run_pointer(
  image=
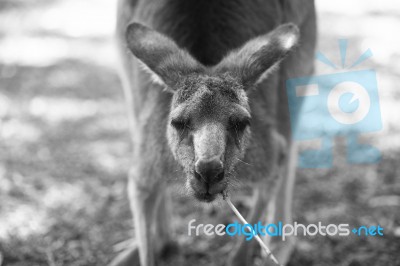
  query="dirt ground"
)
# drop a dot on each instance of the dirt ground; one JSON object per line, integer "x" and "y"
{"x": 64, "y": 144}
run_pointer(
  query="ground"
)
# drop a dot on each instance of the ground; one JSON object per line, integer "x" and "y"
{"x": 64, "y": 144}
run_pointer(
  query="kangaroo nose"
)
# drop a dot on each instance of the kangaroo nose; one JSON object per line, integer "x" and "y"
{"x": 210, "y": 171}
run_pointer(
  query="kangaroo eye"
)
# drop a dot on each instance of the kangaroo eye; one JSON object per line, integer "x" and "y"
{"x": 240, "y": 125}
{"x": 180, "y": 124}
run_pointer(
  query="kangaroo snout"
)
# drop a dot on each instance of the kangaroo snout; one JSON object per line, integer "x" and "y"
{"x": 210, "y": 171}
{"x": 208, "y": 176}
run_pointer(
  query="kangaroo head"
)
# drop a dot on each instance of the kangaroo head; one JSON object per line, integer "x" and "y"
{"x": 209, "y": 123}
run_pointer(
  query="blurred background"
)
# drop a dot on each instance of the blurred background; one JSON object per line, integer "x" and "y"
{"x": 64, "y": 143}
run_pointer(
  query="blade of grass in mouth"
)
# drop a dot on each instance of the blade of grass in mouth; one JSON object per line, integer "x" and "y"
{"x": 257, "y": 237}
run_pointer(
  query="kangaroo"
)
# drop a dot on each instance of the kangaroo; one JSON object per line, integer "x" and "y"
{"x": 204, "y": 83}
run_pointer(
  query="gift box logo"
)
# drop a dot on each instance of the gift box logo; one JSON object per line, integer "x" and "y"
{"x": 342, "y": 104}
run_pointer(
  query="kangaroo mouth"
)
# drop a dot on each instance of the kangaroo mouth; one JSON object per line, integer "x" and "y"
{"x": 206, "y": 192}
{"x": 205, "y": 197}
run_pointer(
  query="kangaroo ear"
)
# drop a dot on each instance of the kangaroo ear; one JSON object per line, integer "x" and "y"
{"x": 161, "y": 55}
{"x": 252, "y": 62}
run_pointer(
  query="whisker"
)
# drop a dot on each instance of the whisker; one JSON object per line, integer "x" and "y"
{"x": 244, "y": 162}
